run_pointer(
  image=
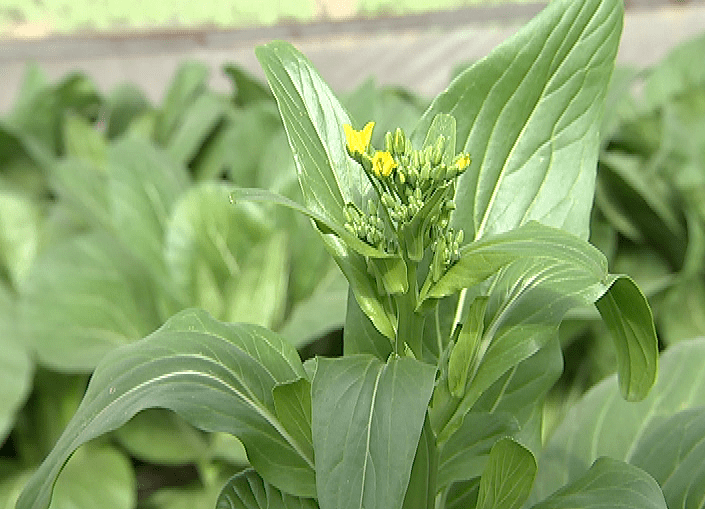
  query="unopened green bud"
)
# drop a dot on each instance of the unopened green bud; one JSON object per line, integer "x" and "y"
{"x": 425, "y": 173}
{"x": 387, "y": 200}
{"x": 427, "y": 154}
{"x": 439, "y": 173}
{"x": 408, "y": 147}
{"x": 372, "y": 207}
{"x": 414, "y": 176}
{"x": 399, "y": 141}
{"x": 438, "y": 150}
{"x": 400, "y": 174}
{"x": 389, "y": 142}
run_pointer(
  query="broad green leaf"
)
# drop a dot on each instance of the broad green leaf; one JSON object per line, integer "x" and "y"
{"x": 82, "y": 298}
{"x": 627, "y": 314}
{"x": 197, "y": 124}
{"x": 161, "y": 437}
{"x": 292, "y": 402}
{"x": 247, "y": 490}
{"x": 96, "y": 476}
{"x": 219, "y": 377}
{"x": 313, "y": 119}
{"x": 529, "y": 115}
{"x": 527, "y": 302}
{"x": 361, "y": 336}
{"x": 367, "y": 420}
{"x": 422, "y": 490}
{"x": 464, "y": 358}
{"x": 24, "y": 161}
{"x": 519, "y": 391}
{"x": 188, "y": 83}
{"x": 464, "y": 455}
{"x": 480, "y": 259}
{"x": 672, "y": 451}
{"x": 602, "y": 423}
{"x": 507, "y": 478}
{"x": 608, "y": 483}
{"x": 462, "y": 495}
{"x": 83, "y": 140}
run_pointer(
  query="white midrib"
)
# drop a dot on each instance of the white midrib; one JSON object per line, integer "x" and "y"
{"x": 369, "y": 433}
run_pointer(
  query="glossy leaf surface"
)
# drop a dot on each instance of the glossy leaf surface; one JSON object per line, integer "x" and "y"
{"x": 367, "y": 420}
{"x": 192, "y": 365}
{"x": 529, "y": 115}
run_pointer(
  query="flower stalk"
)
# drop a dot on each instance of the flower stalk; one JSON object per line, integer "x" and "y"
{"x": 408, "y": 218}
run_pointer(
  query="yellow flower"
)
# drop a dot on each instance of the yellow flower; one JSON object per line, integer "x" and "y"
{"x": 358, "y": 141}
{"x": 383, "y": 163}
{"x": 463, "y": 162}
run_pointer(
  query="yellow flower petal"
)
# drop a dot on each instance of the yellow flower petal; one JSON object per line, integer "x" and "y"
{"x": 383, "y": 163}
{"x": 358, "y": 141}
{"x": 463, "y": 161}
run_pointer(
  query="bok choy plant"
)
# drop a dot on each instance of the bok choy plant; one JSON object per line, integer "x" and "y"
{"x": 464, "y": 245}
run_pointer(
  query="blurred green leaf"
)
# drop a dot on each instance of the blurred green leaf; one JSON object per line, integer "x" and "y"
{"x": 188, "y": 83}
{"x": 16, "y": 364}
{"x": 82, "y": 140}
{"x": 198, "y": 122}
{"x": 608, "y": 483}
{"x": 124, "y": 104}
{"x": 602, "y": 423}
{"x": 20, "y": 223}
{"x": 96, "y": 476}
{"x": 248, "y": 89}
{"x": 82, "y": 298}
{"x": 162, "y": 437}
{"x": 322, "y": 312}
{"x": 671, "y": 449}
{"x": 682, "y": 313}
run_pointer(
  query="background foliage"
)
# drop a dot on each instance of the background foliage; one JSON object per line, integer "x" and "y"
{"x": 109, "y": 199}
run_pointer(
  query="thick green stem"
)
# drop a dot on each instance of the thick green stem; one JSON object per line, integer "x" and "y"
{"x": 410, "y": 324}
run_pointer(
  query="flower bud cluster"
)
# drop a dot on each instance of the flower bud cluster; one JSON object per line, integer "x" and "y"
{"x": 415, "y": 190}
{"x": 367, "y": 227}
